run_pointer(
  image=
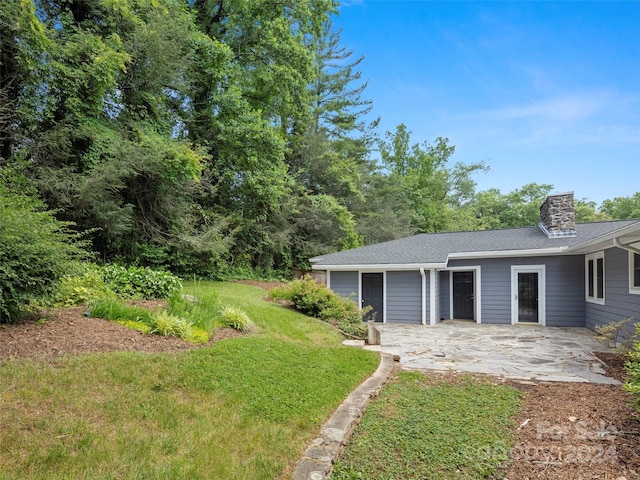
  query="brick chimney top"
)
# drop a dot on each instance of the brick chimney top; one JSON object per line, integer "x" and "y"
{"x": 557, "y": 216}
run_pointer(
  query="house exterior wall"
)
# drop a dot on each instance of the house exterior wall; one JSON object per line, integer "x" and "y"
{"x": 564, "y": 288}
{"x": 404, "y": 297}
{"x": 443, "y": 278}
{"x": 618, "y": 302}
{"x": 437, "y": 287}
{"x": 345, "y": 284}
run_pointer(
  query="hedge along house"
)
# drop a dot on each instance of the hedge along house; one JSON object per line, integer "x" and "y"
{"x": 558, "y": 273}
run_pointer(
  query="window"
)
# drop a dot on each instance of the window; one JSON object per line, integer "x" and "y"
{"x": 594, "y": 273}
{"x": 634, "y": 273}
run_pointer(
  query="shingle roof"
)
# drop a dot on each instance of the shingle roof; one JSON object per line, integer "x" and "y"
{"x": 435, "y": 248}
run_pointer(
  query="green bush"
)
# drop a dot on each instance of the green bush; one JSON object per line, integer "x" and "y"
{"x": 82, "y": 287}
{"x": 170, "y": 325}
{"x": 141, "y": 282}
{"x": 311, "y": 298}
{"x": 35, "y": 252}
{"x": 233, "y": 317}
{"x": 133, "y": 325}
{"x": 632, "y": 385}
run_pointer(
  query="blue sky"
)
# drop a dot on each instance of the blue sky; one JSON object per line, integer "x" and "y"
{"x": 545, "y": 92}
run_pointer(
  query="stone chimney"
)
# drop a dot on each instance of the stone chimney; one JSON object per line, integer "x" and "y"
{"x": 557, "y": 216}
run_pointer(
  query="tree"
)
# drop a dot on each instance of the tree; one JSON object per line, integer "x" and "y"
{"x": 622, "y": 208}
{"x": 426, "y": 179}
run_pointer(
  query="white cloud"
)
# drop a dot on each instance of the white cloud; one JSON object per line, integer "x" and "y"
{"x": 602, "y": 117}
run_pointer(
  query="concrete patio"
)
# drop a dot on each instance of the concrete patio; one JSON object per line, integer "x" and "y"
{"x": 528, "y": 352}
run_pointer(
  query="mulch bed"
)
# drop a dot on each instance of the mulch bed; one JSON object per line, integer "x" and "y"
{"x": 68, "y": 332}
{"x": 576, "y": 431}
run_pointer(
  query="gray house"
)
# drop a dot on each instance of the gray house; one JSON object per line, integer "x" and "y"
{"x": 558, "y": 273}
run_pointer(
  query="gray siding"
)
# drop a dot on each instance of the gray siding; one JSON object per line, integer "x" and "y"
{"x": 345, "y": 284}
{"x": 619, "y": 303}
{"x": 444, "y": 295}
{"x": 404, "y": 297}
{"x": 564, "y": 292}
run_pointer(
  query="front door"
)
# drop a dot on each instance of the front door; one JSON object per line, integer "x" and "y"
{"x": 527, "y": 288}
{"x": 372, "y": 288}
{"x": 463, "y": 295}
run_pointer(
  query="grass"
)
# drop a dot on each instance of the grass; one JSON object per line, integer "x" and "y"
{"x": 240, "y": 408}
{"x": 115, "y": 309}
{"x": 420, "y": 427}
{"x": 201, "y": 312}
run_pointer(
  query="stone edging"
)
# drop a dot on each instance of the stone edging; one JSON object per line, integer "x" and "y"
{"x": 317, "y": 461}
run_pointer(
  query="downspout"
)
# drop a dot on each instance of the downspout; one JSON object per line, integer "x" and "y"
{"x": 424, "y": 296}
{"x": 626, "y": 247}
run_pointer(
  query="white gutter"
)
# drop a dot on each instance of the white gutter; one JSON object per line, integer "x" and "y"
{"x": 424, "y": 296}
{"x": 624, "y": 246}
{"x": 509, "y": 253}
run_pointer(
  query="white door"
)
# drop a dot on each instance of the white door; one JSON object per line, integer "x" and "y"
{"x": 528, "y": 302}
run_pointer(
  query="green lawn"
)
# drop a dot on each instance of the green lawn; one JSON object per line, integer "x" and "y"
{"x": 424, "y": 428}
{"x": 242, "y": 408}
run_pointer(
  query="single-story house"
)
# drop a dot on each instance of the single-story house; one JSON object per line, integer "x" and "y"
{"x": 558, "y": 273}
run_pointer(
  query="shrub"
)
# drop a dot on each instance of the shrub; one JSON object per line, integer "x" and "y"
{"x": 311, "y": 298}
{"x": 198, "y": 335}
{"x": 618, "y": 334}
{"x": 35, "y": 252}
{"x": 233, "y": 317}
{"x": 632, "y": 385}
{"x": 82, "y": 288}
{"x": 133, "y": 325}
{"x": 170, "y": 325}
{"x": 141, "y": 282}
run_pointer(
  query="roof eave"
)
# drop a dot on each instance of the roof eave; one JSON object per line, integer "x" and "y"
{"x": 380, "y": 266}
{"x": 631, "y": 232}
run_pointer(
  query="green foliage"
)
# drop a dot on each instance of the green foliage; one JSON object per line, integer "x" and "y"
{"x": 519, "y": 208}
{"x": 135, "y": 325}
{"x": 117, "y": 310}
{"x": 211, "y": 138}
{"x": 200, "y": 310}
{"x": 632, "y": 385}
{"x": 616, "y": 334}
{"x": 622, "y": 208}
{"x": 422, "y": 427}
{"x": 311, "y": 298}
{"x": 236, "y": 318}
{"x": 197, "y": 335}
{"x": 422, "y": 171}
{"x": 84, "y": 287}
{"x": 35, "y": 252}
{"x": 170, "y": 325}
{"x": 321, "y": 226}
{"x": 160, "y": 322}
{"x": 141, "y": 282}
